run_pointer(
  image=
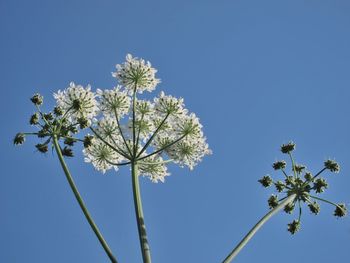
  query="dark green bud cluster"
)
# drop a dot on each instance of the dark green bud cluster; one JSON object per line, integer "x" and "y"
{"x": 88, "y": 141}
{"x": 303, "y": 185}
{"x": 19, "y": 139}
{"x": 34, "y": 119}
{"x": 340, "y": 210}
{"x": 332, "y": 165}
{"x": 288, "y": 208}
{"x": 266, "y": 181}
{"x": 273, "y": 201}
{"x": 288, "y": 148}
{"x": 279, "y": 165}
{"x": 320, "y": 185}
{"x": 42, "y": 147}
{"x": 314, "y": 208}
{"x": 66, "y": 151}
{"x": 294, "y": 227}
{"x": 37, "y": 99}
{"x": 54, "y": 124}
{"x": 58, "y": 111}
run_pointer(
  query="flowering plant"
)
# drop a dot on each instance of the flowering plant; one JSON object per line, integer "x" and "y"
{"x": 124, "y": 129}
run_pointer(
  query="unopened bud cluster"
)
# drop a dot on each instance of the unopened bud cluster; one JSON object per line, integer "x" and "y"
{"x": 303, "y": 184}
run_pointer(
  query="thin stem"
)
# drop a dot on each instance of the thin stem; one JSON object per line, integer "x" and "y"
{"x": 110, "y": 145}
{"x": 252, "y": 232}
{"x": 313, "y": 178}
{"x": 162, "y": 149}
{"x": 133, "y": 121}
{"x": 162, "y": 162}
{"x": 326, "y": 201}
{"x": 293, "y": 164}
{"x": 117, "y": 164}
{"x": 153, "y": 135}
{"x": 121, "y": 132}
{"x": 81, "y": 202}
{"x": 146, "y": 254}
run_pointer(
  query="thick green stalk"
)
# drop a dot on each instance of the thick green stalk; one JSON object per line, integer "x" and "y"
{"x": 81, "y": 202}
{"x": 146, "y": 254}
{"x": 252, "y": 232}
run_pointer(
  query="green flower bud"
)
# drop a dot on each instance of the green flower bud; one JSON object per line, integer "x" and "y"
{"x": 299, "y": 168}
{"x": 88, "y": 141}
{"x": 279, "y": 165}
{"x": 288, "y": 208}
{"x": 273, "y": 201}
{"x": 340, "y": 210}
{"x": 314, "y": 208}
{"x": 332, "y": 165}
{"x": 287, "y": 148}
{"x": 308, "y": 176}
{"x": 19, "y": 139}
{"x": 320, "y": 185}
{"x": 279, "y": 186}
{"x": 43, "y": 148}
{"x": 68, "y": 152}
{"x": 266, "y": 181}
{"x": 83, "y": 123}
{"x": 37, "y": 99}
{"x": 294, "y": 227}
{"x": 58, "y": 111}
{"x": 34, "y": 119}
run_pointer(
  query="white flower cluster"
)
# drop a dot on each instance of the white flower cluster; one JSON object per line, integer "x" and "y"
{"x": 162, "y": 131}
{"x": 78, "y": 102}
{"x": 136, "y": 73}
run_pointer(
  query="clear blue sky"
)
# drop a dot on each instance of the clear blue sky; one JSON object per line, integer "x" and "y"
{"x": 257, "y": 73}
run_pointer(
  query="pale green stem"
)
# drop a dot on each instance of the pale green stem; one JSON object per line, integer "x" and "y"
{"x": 153, "y": 135}
{"x": 81, "y": 202}
{"x": 110, "y": 145}
{"x": 293, "y": 164}
{"x": 145, "y": 249}
{"x": 121, "y": 132}
{"x": 252, "y": 232}
{"x": 162, "y": 149}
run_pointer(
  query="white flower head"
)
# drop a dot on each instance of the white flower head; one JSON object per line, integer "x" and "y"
{"x": 136, "y": 72}
{"x": 189, "y": 152}
{"x": 166, "y": 104}
{"x": 154, "y": 168}
{"x": 101, "y": 156}
{"x": 79, "y": 102}
{"x": 114, "y": 102}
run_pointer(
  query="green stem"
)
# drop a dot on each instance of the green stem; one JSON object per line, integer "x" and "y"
{"x": 146, "y": 254}
{"x": 81, "y": 202}
{"x": 252, "y": 232}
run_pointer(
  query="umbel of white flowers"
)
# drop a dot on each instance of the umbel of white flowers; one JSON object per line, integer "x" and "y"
{"x": 126, "y": 128}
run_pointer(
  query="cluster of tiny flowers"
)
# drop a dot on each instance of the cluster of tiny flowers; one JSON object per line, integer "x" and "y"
{"x": 303, "y": 184}
{"x": 80, "y": 102}
{"x": 129, "y": 126}
{"x": 137, "y": 74}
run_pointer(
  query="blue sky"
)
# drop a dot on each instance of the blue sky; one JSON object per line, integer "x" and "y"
{"x": 257, "y": 73}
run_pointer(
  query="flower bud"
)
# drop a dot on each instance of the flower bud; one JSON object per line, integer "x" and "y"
{"x": 43, "y": 148}
{"x": 314, "y": 208}
{"x": 287, "y": 148}
{"x": 340, "y": 210}
{"x": 279, "y": 165}
{"x": 273, "y": 201}
{"x": 37, "y": 99}
{"x": 332, "y": 165}
{"x": 294, "y": 227}
{"x": 19, "y": 139}
{"x": 34, "y": 119}
{"x": 266, "y": 181}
